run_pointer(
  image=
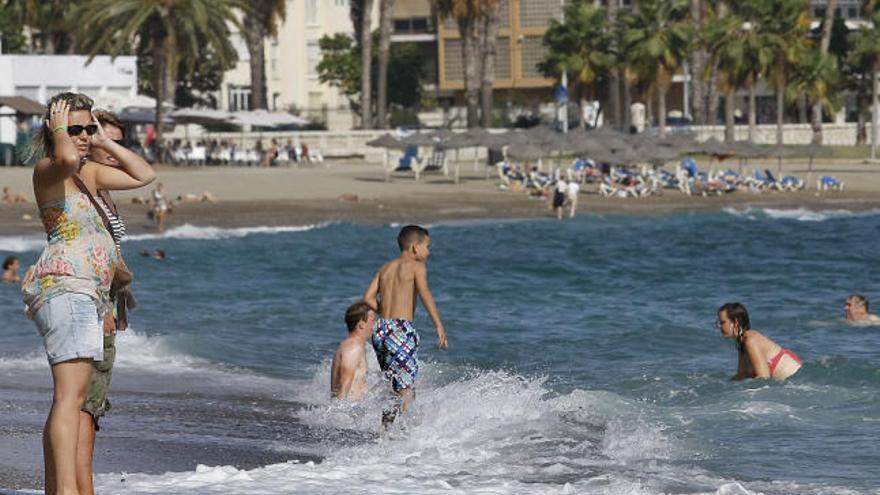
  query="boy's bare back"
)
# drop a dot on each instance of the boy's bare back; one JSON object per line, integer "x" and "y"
{"x": 397, "y": 288}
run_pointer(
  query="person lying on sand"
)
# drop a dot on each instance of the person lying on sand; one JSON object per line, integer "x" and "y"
{"x": 857, "y": 312}
{"x": 12, "y": 197}
{"x": 348, "y": 373}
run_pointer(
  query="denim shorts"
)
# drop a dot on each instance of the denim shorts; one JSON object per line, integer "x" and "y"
{"x": 71, "y": 327}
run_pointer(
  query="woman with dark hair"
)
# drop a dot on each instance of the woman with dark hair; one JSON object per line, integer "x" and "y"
{"x": 67, "y": 290}
{"x": 759, "y": 357}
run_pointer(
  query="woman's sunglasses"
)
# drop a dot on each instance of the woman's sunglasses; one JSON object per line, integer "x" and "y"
{"x": 76, "y": 130}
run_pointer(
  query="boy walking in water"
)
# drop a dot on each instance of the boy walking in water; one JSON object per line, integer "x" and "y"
{"x": 392, "y": 293}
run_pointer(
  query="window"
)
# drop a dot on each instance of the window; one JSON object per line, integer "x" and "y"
{"x": 312, "y": 12}
{"x": 239, "y": 98}
{"x": 342, "y": 3}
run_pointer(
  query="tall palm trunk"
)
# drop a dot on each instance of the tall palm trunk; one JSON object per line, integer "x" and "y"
{"x": 386, "y": 8}
{"x": 468, "y": 29}
{"x": 861, "y": 122}
{"x": 489, "y": 47}
{"x": 164, "y": 77}
{"x": 614, "y": 78}
{"x": 753, "y": 111}
{"x": 255, "y": 34}
{"x": 366, "y": 59}
{"x": 698, "y": 62}
{"x": 824, "y": 43}
{"x": 780, "y": 110}
{"x": 729, "y": 109}
{"x": 662, "y": 87}
{"x": 875, "y": 116}
{"x": 627, "y": 103}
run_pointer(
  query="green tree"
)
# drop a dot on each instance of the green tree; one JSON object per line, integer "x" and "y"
{"x": 172, "y": 31}
{"x": 656, "y": 40}
{"x": 340, "y": 67}
{"x": 785, "y": 25}
{"x": 361, "y": 16}
{"x": 11, "y": 35}
{"x": 815, "y": 76}
{"x": 580, "y": 48}
{"x": 865, "y": 58}
{"x": 49, "y": 21}
{"x": 261, "y": 20}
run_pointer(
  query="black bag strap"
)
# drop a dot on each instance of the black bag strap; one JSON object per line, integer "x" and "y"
{"x": 82, "y": 187}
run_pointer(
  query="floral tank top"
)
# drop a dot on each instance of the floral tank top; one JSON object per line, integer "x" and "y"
{"x": 80, "y": 257}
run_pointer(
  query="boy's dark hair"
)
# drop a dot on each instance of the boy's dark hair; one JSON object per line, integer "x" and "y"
{"x": 9, "y": 261}
{"x": 411, "y": 234}
{"x": 356, "y": 313}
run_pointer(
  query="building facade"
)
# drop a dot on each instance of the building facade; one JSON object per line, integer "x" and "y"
{"x": 291, "y": 65}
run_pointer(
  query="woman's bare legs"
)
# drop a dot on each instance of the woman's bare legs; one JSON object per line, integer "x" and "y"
{"x": 85, "y": 448}
{"x": 60, "y": 436}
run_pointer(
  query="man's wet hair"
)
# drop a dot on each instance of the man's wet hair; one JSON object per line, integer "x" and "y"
{"x": 860, "y": 300}
{"x": 410, "y": 235}
{"x": 9, "y": 261}
{"x": 356, "y": 313}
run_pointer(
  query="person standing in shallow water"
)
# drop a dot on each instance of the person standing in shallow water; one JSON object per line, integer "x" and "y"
{"x": 348, "y": 372}
{"x": 67, "y": 291}
{"x": 759, "y": 357}
{"x": 392, "y": 293}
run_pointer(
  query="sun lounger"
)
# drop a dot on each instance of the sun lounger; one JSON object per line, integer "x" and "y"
{"x": 829, "y": 183}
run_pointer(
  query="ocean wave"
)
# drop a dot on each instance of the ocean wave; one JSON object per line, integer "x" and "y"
{"x": 798, "y": 214}
{"x": 22, "y": 244}
{"x": 188, "y": 231}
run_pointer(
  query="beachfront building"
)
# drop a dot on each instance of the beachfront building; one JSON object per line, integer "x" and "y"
{"x": 28, "y": 81}
{"x": 291, "y": 65}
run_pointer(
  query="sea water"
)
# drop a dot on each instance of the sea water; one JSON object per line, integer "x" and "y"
{"x": 583, "y": 358}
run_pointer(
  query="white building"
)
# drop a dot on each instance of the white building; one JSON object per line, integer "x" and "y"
{"x": 291, "y": 61}
{"x": 39, "y": 77}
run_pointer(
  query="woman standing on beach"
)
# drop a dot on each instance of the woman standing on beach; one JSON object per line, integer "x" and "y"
{"x": 759, "y": 357}
{"x": 67, "y": 291}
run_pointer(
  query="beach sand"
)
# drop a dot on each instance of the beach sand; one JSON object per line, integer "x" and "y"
{"x": 311, "y": 194}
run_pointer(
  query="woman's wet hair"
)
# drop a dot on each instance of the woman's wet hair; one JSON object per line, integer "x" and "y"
{"x": 9, "y": 261}
{"x": 739, "y": 316}
{"x": 42, "y": 144}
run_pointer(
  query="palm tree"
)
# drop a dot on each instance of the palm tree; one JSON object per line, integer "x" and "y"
{"x": 865, "y": 54}
{"x": 466, "y": 13}
{"x": 815, "y": 75}
{"x": 171, "y": 30}
{"x": 614, "y": 79}
{"x": 824, "y": 43}
{"x": 361, "y": 16}
{"x": 385, "y": 10}
{"x": 490, "y": 11}
{"x": 656, "y": 41}
{"x": 47, "y": 21}
{"x": 728, "y": 60}
{"x": 784, "y": 24}
{"x": 579, "y": 48}
{"x": 260, "y": 21}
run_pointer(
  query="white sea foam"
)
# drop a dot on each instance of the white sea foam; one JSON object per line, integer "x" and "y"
{"x": 798, "y": 214}
{"x": 480, "y": 432}
{"x": 22, "y": 244}
{"x": 188, "y": 231}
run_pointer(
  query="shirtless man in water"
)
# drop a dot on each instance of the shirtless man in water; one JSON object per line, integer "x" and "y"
{"x": 348, "y": 373}
{"x": 857, "y": 312}
{"x": 393, "y": 294}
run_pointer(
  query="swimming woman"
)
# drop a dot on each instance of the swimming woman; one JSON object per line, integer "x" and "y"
{"x": 759, "y": 357}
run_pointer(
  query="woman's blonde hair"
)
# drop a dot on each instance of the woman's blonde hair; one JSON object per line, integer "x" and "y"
{"x": 42, "y": 144}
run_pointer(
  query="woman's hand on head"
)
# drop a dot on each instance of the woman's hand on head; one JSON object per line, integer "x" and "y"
{"x": 59, "y": 114}
{"x": 100, "y": 138}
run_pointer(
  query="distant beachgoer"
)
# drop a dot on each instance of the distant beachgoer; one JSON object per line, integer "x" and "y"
{"x": 560, "y": 190}
{"x": 392, "y": 293}
{"x": 160, "y": 206}
{"x": 11, "y": 265}
{"x": 573, "y": 190}
{"x": 304, "y": 153}
{"x": 205, "y": 197}
{"x": 157, "y": 254}
{"x": 759, "y": 357}
{"x": 12, "y": 197}
{"x": 348, "y": 373}
{"x": 67, "y": 291}
{"x": 857, "y": 311}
